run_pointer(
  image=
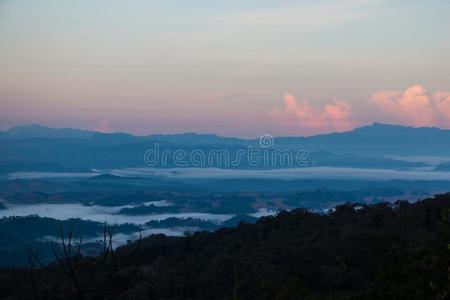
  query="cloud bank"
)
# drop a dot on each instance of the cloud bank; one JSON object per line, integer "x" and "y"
{"x": 308, "y": 119}
{"x": 414, "y": 106}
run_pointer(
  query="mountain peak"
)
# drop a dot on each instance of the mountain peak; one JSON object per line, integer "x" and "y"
{"x": 377, "y": 124}
{"x": 384, "y": 126}
{"x": 28, "y": 127}
{"x": 40, "y": 131}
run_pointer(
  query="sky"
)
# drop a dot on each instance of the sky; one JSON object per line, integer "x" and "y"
{"x": 231, "y": 67}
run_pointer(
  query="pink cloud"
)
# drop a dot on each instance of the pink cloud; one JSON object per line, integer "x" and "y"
{"x": 442, "y": 103}
{"x": 304, "y": 118}
{"x": 414, "y": 107}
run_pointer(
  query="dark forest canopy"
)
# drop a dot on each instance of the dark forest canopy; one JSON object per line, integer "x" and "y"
{"x": 381, "y": 251}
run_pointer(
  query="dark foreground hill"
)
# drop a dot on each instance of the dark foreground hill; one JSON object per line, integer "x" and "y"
{"x": 383, "y": 251}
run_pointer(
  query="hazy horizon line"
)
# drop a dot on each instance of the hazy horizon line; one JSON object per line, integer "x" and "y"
{"x": 370, "y": 124}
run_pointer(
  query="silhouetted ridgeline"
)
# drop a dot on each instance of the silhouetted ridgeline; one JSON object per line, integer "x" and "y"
{"x": 382, "y": 251}
{"x": 43, "y": 149}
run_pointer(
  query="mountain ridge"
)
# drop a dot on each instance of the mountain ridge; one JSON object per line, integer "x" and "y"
{"x": 376, "y": 139}
{"x": 40, "y": 131}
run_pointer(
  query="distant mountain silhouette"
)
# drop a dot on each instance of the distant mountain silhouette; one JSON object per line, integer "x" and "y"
{"x": 379, "y": 139}
{"x": 371, "y": 140}
{"x": 39, "y": 131}
{"x": 197, "y": 139}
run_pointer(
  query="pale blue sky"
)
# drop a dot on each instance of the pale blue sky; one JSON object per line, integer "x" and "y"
{"x": 212, "y": 66}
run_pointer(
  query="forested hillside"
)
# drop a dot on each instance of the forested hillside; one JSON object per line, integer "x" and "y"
{"x": 382, "y": 251}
